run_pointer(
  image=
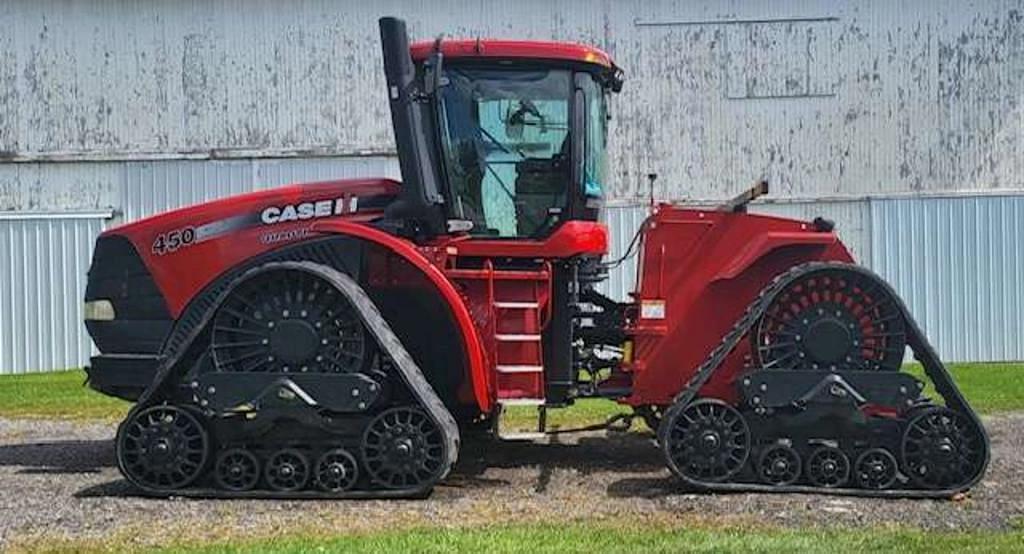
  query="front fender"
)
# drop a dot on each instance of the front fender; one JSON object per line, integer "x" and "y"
{"x": 472, "y": 344}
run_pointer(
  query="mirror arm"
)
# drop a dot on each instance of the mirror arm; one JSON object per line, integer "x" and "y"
{"x": 434, "y": 68}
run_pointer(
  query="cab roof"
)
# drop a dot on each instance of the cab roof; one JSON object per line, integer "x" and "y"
{"x": 514, "y": 49}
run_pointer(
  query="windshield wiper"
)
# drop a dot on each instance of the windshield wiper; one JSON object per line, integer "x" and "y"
{"x": 500, "y": 144}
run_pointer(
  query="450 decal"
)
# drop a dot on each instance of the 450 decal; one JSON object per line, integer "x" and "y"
{"x": 172, "y": 241}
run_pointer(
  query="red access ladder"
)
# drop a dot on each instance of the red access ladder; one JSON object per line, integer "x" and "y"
{"x": 518, "y": 310}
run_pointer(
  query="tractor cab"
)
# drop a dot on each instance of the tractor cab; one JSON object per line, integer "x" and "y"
{"x": 497, "y": 139}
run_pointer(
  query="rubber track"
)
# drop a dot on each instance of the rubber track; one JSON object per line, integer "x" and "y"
{"x": 387, "y": 341}
{"x": 923, "y": 351}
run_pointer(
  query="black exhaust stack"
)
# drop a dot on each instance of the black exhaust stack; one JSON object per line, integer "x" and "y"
{"x": 413, "y": 119}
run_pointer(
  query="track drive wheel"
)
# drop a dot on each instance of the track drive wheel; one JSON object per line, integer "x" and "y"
{"x": 779, "y": 465}
{"x": 162, "y": 448}
{"x": 402, "y": 448}
{"x": 708, "y": 441}
{"x": 831, "y": 319}
{"x": 942, "y": 449}
{"x": 289, "y": 321}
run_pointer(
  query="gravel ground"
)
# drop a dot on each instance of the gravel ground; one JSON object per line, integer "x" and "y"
{"x": 58, "y": 480}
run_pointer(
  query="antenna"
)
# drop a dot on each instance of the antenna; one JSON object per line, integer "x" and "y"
{"x": 651, "y": 178}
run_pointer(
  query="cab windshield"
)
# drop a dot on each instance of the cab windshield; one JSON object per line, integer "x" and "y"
{"x": 507, "y": 148}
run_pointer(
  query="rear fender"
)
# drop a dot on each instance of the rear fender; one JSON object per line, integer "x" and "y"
{"x": 699, "y": 271}
{"x": 763, "y": 245}
{"x": 472, "y": 345}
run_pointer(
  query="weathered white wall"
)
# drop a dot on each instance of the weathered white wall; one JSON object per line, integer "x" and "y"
{"x": 823, "y": 98}
{"x": 136, "y": 107}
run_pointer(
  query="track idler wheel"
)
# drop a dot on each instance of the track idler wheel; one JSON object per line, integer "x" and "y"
{"x": 237, "y": 469}
{"x": 779, "y": 465}
{"x": 942, "y": 449}
{"x": 828, "y": 467}
{"x": 287, "y": 470}
{"x": 336, "y": 471}
{"x": 707, "y": 441}
{"x": 162, "y": 448}
{"x": 876, "y": 469}
{"x": 402, "y": 448}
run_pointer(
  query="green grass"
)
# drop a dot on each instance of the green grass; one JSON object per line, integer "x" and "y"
{"x": 990, "y": 388}
{"x": 599, "y": 537}
{"x": 60, "y": 394}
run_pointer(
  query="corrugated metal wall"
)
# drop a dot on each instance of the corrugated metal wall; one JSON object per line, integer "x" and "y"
{"x": 852, "y": 218}
{"x": 958, "y": 264}
{"x": 42, "y": 283}
{"x": 956, "y": 261}
{"x": 44, "y": 256}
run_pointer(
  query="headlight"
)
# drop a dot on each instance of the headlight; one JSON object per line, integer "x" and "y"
{"x": 99, "y": 310}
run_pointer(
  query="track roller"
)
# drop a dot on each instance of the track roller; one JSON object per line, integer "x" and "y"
{"x": 287, "y": 470}
{"x": 336, "y": 471}
{"x": 779, "y": 465}
{"x": 403, "y": 448}
{"x": 828, "y": 467}
{"x": 942, "y": 449}
{"x": 237, "y": 469}
{"x": 876, "y": 469}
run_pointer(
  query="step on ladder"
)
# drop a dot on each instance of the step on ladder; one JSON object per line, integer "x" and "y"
{"x": 519, "y": 364}
{"x": 518, "y": 351}
{"x": 518, "y": 434}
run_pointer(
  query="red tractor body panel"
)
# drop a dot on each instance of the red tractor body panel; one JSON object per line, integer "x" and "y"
{"x": 186, "y": 249}
{"x": 699, "y": 270}
{"x": 572, "y": 238}
{"x": 514, "y": 49}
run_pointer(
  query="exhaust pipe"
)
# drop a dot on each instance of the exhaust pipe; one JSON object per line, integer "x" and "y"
{"x": 398, "y": 67}
{"x": 414, "y": 123}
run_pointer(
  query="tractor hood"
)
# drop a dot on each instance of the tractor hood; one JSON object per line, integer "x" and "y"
{"x": 184, "y": 250}
{"x": 361, "y": 199}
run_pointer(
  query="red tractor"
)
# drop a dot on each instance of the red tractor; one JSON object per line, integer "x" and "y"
{"x": 330, "y": 339}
